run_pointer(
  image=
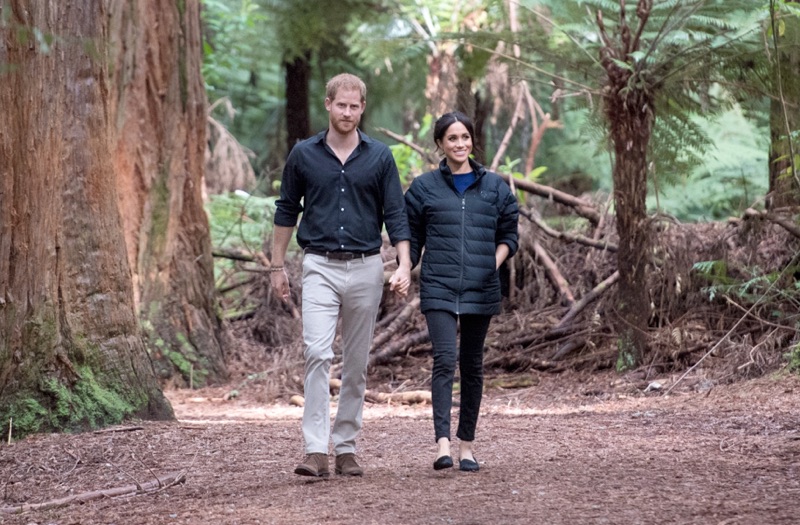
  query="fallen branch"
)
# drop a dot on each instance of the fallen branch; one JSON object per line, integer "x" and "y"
{"x": 408, "y": 310}
{"x": 569, "y": 237}
{"x": 583, "y": 208}
{"x": 563, "y": 325}
{"x": 570, "y": 346}
{"x": 552, "y": 271}
{"x": 787, "y": 225}
{"x": 160, "y": 483}
{"x": 397, "y": 347}
{"x": 234, "y": 286}
{"x": 236, "y": 255}
{"x": 406, "y": 398}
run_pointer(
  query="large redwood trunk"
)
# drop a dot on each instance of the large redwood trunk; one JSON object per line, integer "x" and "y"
{"x": 71, "y": 354}
{"x": 158, "y": 106}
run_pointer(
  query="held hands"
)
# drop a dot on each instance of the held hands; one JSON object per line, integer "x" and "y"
{"x": 400, "y": 281}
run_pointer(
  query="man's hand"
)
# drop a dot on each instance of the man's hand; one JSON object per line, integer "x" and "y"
{"x": 277, "y": 277}
{"x": 280, "y": 283}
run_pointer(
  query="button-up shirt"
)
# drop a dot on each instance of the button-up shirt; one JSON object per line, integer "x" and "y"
{"x": 344, "y": 206}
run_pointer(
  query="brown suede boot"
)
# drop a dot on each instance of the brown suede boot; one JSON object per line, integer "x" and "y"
{"x": 315, "y": 465}
{"x": 346, "y": 465}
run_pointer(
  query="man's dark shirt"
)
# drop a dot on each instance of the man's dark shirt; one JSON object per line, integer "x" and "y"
{"x": 344, "y": 206}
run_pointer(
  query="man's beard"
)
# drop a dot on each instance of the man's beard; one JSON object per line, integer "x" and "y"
{"x": 344, "y": 126}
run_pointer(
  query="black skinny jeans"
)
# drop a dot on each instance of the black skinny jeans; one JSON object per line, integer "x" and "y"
{"x": 443, "y": 328}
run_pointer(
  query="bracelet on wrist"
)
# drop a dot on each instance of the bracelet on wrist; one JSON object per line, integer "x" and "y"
{"x": 275, "y": 269}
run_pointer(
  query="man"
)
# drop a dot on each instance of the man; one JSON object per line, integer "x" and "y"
{"x": 347, "y": 187}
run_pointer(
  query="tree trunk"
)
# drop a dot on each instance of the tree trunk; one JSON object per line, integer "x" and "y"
{"x": 785, "y": 112}
{"x": 442, "y": 81}
{"x": 71, "y": 354}
{"x": 483, "y": 108}
{"x": 629, "y": 110}
{"x": 469, "y": 102}
{"x": 630, "y": 114}
{"x": 158, "y": 106}
{"x": 298, "y": 119}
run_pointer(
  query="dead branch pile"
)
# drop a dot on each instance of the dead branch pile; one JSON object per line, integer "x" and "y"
{"x": 561, "y": 301}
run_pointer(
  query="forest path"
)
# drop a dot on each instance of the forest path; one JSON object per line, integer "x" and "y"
{"x": 557, "y": 453}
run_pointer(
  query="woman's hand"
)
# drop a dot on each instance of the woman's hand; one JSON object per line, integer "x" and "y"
{"x": 400, "y": 281}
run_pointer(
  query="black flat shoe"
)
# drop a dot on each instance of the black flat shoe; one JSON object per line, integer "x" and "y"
{"x": 467, "y": 465}
{"x": 442, "y": 462}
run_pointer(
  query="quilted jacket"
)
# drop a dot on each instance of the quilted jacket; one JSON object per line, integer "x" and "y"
{"x": 459, "y": 234}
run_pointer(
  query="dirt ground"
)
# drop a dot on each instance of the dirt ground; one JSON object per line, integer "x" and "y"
{"x": 570, "y": 449}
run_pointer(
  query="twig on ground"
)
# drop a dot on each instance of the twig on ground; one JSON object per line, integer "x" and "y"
{"x": 117, "y": 429}
{"x": 160, "y": 483}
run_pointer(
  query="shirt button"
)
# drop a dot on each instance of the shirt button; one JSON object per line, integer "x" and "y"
{"x": 342, "y": 189}
{"x": 341, "y": 227}
{"x": 341, "y": 209}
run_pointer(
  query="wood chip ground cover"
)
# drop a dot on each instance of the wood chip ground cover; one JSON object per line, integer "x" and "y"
{"x": 578, "y": 449}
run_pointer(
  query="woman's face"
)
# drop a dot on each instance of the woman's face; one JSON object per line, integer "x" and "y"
{"x": 456, "y": 144}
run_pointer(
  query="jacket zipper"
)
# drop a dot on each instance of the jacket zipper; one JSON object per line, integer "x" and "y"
{"x": 461, "y": 270}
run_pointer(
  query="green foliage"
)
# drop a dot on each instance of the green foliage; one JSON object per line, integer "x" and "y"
{"x": 192, "y": 367}
{"x": 793, "y": 359}
{"x": 724, "y": 178}
{"x": 409, "y": 162}
{"x": 87, "y": 403}
{"x": 707, "y": 146}
{"x": 751, "y": 286}
{"x": 26, "y": 415}
{"x": 233, "y": 35}
{"x": 240, "y": 221}
{"x": 508, "y": 168}
{"x": 707, "y": 154}
{"x": 241, "y": 62}
{"x": 579, "y": 148}
{"x": 626, "y": 354}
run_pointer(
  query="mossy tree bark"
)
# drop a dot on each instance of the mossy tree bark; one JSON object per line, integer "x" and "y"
{"x": 784, "y": 188}
{"x": 158, "y": 107}
{"x": 71, "y": 353}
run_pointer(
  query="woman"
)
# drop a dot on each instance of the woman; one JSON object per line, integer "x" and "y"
{"x": 466, "y": 220}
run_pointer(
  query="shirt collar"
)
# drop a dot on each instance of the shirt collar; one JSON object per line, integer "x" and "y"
{"x": 320, "y": 137}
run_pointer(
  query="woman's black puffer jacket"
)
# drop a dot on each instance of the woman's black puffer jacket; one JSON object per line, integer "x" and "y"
{"x": 460, "y": 234}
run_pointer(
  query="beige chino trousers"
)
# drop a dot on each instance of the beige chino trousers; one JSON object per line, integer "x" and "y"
{"x": 330, "y": 288}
